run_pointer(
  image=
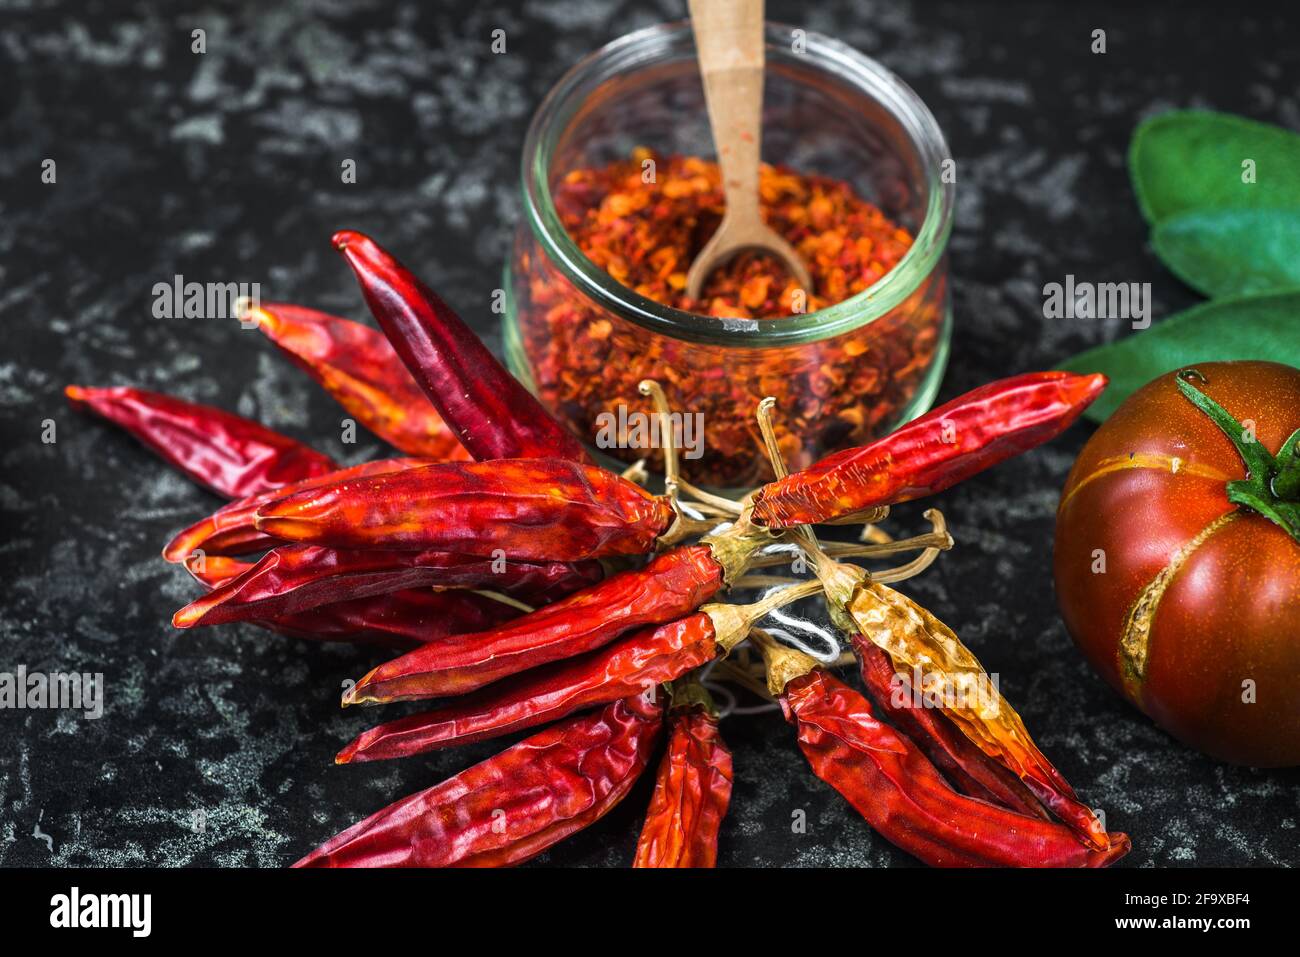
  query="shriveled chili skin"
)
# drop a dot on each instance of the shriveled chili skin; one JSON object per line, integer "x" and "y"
{"x": 492, "y": 415}
{"x": 399, "y": 620}
{"x": 512, "y": 806}
{"x": 294, "y": 578}
{"x": 223, "y": 452}
{"x": 357, "y": 366}
{"x": 969, "y": 769}
{"x": 230, "y": 529}
{"x": 528, "y": 509}
{"x": 673, "y": 585}
{"x": 628, "y": 666}
{"x": 692, "y": 793}
{"x": 905, "y": 799}
{"x": 946, "y": 446}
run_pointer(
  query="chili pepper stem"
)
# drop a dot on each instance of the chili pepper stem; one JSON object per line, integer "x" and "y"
{"x": 766, "y": 581}
{"x": 734, "y": 672}
{"x": 783, "y": 664}
{"x": 720, "y": 503}
{"x": 852, "y": 550}
{"x": 923, "y": 561}
{"x": 832, "y": 574}
{"x": 683, "y": 528}
{"x": 873, "y": 533}
{"x": 673, "y": 481}
{"x": 734, "y": 547}
{"x": 687, "y": 691}
{"x": 866, "y": 516}
{"x": 732, "y": 623}
{"x": 636, "y": 472}
{"x": 840, "y": 580}
{"x": 779, "y": 469}
{"x": 504, "y": 599}
{"x": 651, "y": 388}
{"x": 704, "y": 508}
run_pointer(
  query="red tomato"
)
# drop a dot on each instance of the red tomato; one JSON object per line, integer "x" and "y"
{"x": 1186, "y": 603}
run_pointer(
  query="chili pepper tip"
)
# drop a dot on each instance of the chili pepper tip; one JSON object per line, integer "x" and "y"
{"x": 341, "y": 238}
{"x": 354, "y": 751}
{"x": 262, "y": 317}
{"x": 1090, "y": 386}
{"x": 350, "y": 696}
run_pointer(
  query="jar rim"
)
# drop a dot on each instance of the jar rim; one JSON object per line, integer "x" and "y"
{"x": 652, "y": 43}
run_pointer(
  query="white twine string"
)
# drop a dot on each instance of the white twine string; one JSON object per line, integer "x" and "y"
{"x": 717, "y": 691}
{"x": 781, "y": 548}
{"x": 825, "y": 637}
{"x": 796, "y": 642}
{"x": 757, "y": 708}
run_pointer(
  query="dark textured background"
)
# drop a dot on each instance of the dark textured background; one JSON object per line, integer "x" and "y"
{"x": 226, "y": 167}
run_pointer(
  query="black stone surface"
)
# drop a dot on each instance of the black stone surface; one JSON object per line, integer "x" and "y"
{"x": 215, "y": 747}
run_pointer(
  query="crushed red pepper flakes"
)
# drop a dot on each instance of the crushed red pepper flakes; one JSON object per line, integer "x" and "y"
{"x": 834, "y": 392}
{"x": 646, "y": 234}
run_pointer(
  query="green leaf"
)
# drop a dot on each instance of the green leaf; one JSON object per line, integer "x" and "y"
{"x": 1228, "y": 252}
{"x": 1189, "y": 160}
{"x": 1249, "y": 327}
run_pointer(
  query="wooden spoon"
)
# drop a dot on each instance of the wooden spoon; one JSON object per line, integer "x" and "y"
{"x": 729, "y": 40}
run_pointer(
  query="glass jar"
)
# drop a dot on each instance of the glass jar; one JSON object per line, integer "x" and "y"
{"x": 841, "y": 375}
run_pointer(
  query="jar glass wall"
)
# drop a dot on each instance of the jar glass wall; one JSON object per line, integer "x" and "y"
{"x": 841, "y": 375}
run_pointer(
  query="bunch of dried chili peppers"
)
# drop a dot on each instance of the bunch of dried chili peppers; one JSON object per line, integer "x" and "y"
{"x": 531, "y": 589}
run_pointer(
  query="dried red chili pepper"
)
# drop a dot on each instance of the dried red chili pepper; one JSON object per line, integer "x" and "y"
{"x": 223, "y": 452}
{"x": 527, "y": 509}
{"x": 401, "y": 619}
{"x": 357, "y": 366}
{"x": 969, "y": 769}
{"x": 947, "y": 445}
{"x": 216, "y": 571}
{"x": 673, "y": 585}
{"x": 491, "y": 414}
{"x": 916, "y": 640}
{"x": 512, "y": 806}
{"x": 692, "y": 790}
{"x": 296, "y": 578}
{"x": 915, "y": 637}
{"x": 230, "y": 530}
{"x": 630, "y": 664}
{"x": 901, "y": 794}
{"x": 627, "y": 667}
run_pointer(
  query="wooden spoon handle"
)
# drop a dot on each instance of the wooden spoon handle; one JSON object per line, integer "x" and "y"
{"x": 729, "y": 41}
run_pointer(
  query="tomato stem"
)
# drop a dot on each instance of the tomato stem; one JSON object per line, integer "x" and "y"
{"x": 1272, "y": 485}
{"x": 1286, "y": 483}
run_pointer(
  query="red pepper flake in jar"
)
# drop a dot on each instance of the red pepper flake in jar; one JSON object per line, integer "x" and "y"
{"x": 645, "y": 231}
{"x": 647, "y": 234}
